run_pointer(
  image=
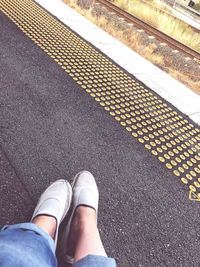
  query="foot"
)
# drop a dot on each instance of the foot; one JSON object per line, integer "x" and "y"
{"x": 52, "y": 207}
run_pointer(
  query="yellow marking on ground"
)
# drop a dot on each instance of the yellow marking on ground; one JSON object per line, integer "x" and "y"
{"x": 170, "y": 137}
{"x": 193, "y": 196}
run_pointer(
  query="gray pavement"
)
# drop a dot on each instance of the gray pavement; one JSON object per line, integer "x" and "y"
{"x": 50, "y": 129}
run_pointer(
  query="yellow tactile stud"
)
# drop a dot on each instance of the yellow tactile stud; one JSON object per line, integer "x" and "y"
{"x": 192, "y": 188}
{"x": 170, "y": 137}
{"x": 184, "y": 180}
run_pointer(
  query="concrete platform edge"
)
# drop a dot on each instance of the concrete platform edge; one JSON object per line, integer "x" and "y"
{"x": 167, "y": 87}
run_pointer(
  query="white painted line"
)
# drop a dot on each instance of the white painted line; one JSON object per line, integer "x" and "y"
{"x": 196, "y": 118}
{"x": 172, "y": 90}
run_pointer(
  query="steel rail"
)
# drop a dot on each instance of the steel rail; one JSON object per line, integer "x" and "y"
{"x": 151, "y": 30}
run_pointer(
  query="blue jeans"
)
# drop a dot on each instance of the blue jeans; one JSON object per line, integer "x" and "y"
{"x": 25, "y": 244}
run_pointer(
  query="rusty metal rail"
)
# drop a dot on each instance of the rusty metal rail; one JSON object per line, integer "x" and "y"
{"x": 151, "y": 30}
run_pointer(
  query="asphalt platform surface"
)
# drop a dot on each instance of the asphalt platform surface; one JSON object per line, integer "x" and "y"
{"x": 50, "y": 129}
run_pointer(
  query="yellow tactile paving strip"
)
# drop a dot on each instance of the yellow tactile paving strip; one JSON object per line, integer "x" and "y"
{"x": 153, "y": 122}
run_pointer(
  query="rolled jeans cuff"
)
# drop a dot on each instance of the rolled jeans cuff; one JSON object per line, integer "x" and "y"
{"x": 94, "y": 260}
{"x": 26, "y": 244}
{"x": 34, "y": 228}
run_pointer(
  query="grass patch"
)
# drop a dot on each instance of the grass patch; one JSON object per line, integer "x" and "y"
{"x": 159, "y": 16}
{"x": 197, "y": 7}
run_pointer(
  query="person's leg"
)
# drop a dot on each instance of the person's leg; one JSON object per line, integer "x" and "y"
{"x": 81, "y": 240}
{"x": 32, "y": 244}
{"x": 47, "y": 223}
{"x": 84, "y": 235}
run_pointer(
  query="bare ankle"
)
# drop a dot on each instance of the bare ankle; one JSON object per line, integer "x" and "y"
{"x": 47, "y": 223}
{"x": 85, "y": 211}
{"x": 84, "y": 219}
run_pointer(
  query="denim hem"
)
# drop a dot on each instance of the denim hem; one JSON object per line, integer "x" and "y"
{"x": 95, "y": 261}
{"x": 32, "y": 227}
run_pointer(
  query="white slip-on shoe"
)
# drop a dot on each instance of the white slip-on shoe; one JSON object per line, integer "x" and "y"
{"x": 85, "y": 193}
{"x": 55, "y": 201}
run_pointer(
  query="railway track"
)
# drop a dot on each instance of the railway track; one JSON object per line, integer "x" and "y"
{"x": 162, "y": 37}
